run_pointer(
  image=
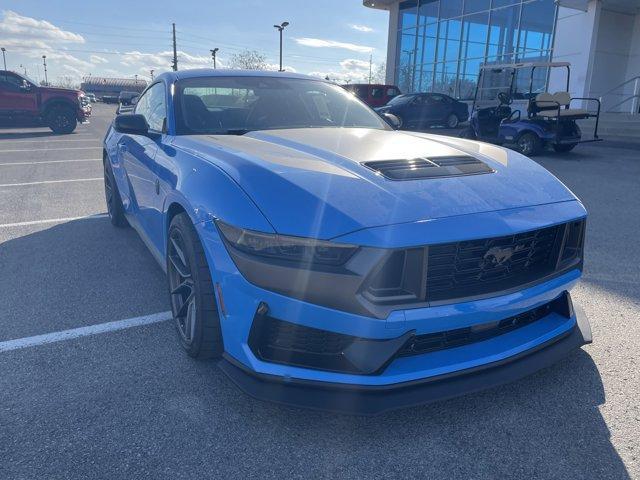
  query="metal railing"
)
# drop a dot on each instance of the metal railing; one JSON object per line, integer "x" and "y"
{"x": 628, "y": 100}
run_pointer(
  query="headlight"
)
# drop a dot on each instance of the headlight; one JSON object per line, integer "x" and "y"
{"x": 293, "y": 249}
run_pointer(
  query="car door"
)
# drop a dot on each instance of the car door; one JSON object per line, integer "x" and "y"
{"x": 412, "y": 111}
{"x": 137, "y": 153}
{"x": 439, "y": 108}
{"x": 17, "y": 96}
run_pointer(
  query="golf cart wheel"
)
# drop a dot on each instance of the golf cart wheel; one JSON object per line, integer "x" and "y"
{"x": 529, "y": 144}
{"x": 468, "y": 133}
{"x": 61, "y": 120}
{"x": 453, "y": 121}
{"x": 564, "y": 147}
{"x": 193, "y": 302}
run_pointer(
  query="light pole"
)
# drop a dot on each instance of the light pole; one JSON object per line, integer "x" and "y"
{"x": 4, "y": 59}
{"x": 280, "y": 29}
{"x": 213, "y": 55}
{"x": 44, "y": 62}
{"x": 25, "y": 69}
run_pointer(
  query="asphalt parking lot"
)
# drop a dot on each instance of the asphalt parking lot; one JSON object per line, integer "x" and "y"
{"x": 129, "y": 404}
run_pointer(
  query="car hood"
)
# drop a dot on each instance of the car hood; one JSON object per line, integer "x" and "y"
{"x": 311, "y": 182}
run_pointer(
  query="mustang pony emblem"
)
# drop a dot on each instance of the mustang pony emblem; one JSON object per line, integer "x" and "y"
{"x": 499, "y": 255}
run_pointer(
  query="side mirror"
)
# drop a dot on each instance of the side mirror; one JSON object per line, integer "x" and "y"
{"x": 26, "y": 86}
{"x": 392, "y": 120}
{"x": 134, "y": 124}
{"x": 134, "y": 100}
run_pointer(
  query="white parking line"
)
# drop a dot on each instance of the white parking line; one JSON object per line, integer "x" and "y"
{"x": 83, "y": 331}
{"x": 52, "y": 220}
{"x": 51, "y": 161}
{"x": 39, "y": 140}
{"x": 50, "y": 181}
{"x": 49, "y": 149}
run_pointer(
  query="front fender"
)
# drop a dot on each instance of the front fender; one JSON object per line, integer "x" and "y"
{"x": 206, "y": 192}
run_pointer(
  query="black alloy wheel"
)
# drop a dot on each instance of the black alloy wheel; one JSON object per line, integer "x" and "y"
{"x": 62, "y": 120}
{"x": 193, "y": 303}
{"x": 115, "y": 208}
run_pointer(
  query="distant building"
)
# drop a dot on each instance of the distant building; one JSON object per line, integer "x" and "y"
{"x": 110, "y": 87}
{"x": 439, "y": 45}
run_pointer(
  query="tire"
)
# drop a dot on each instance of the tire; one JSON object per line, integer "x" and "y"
{"x": 468, "y": 133}
{"x": 400, "y": 122}
{"x": 564, "y": 147}
{"x": 191, "y": 294}
{"x": 529, "y": 144}
{"x": 115, "y": 209}
{"x": 452, "y": 121}
{"x": 61, "y": 119}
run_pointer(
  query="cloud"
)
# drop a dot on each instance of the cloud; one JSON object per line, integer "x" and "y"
{"x": 351, "y": 64}
{"x": 97, "y": 59}
{"x": 27, "y": 28}
{"x": 320, "y": 43}
{"x": 361, "y": 28}
{"x": 161, "y": 61}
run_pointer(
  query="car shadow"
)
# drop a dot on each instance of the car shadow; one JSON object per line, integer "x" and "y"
{"x": 29, "y": 135}
{"x": 74, "y": 274}
{"x": 545, "y": 426}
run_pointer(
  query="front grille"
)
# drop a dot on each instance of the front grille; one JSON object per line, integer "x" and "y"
{"x": 429, "y": 167}
{"x": 463, "y": 336}
{"x": 479, "y": 267}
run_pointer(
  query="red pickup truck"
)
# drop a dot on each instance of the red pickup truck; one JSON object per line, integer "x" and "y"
{"x": 61, "y": 109}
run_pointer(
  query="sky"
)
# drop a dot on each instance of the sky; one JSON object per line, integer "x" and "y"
{"x": 118, "y": 38}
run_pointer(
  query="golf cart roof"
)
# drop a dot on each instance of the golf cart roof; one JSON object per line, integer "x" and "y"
{"x": 526, "y": 65}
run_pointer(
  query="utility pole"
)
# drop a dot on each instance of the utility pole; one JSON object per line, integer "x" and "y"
{"x": 213, "y": 55}
{"x": 370, "y": 63}
{"x": 175, "y": 51}
{"x": 4, "y": 59}
{"x": 151, "y": 72}
{"x": 280, "y": 29}
{"x": 44, "y": 61}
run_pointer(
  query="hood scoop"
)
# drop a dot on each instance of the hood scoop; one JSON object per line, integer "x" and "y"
{"x": 429, "y": 167}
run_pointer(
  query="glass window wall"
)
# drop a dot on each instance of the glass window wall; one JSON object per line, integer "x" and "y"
{"x": 442, "y": 43}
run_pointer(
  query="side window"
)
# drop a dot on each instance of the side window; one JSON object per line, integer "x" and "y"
{"x": 361, "y": 91}
{"x": 153, "y": 106}
{"x": 377, "y": 92}
{"x": 392, "y": 92}
{"x": 437, "y": 99}
{"x": 10, "y": 82}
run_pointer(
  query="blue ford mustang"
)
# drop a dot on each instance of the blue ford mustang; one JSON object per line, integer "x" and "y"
{"x": 332, "y": 262}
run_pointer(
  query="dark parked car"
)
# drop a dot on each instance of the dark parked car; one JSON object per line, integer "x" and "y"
{"x": 422, "y": 110}
{"x": 374, "y": 95}
{"x": 60, "y": 109}
{"x": 126, "y": 98}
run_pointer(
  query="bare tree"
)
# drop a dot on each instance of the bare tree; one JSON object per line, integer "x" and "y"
{"x": 380, "y": 73}
{"x": 66, "y": 81}
{"x": 248, "y": 60}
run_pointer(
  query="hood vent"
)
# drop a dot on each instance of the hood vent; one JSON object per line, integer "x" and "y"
{"x": 429, "y": 167}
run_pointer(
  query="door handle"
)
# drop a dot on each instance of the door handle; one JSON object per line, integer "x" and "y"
{"x": 157, "y": 187}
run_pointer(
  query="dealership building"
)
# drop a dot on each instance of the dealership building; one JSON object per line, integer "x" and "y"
{"x": 439, "y": 45}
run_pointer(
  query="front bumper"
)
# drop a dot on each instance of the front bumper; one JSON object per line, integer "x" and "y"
{"x": 372, "y": 400}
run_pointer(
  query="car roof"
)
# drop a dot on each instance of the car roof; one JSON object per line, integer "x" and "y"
{"x": 210, "y": 72}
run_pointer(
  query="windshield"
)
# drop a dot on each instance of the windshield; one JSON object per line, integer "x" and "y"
{"x": 400, "y": 99}
{"x": 236, "y": 105}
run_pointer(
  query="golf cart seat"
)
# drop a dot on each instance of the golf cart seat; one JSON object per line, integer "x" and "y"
{"x": 553, "y": 105}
